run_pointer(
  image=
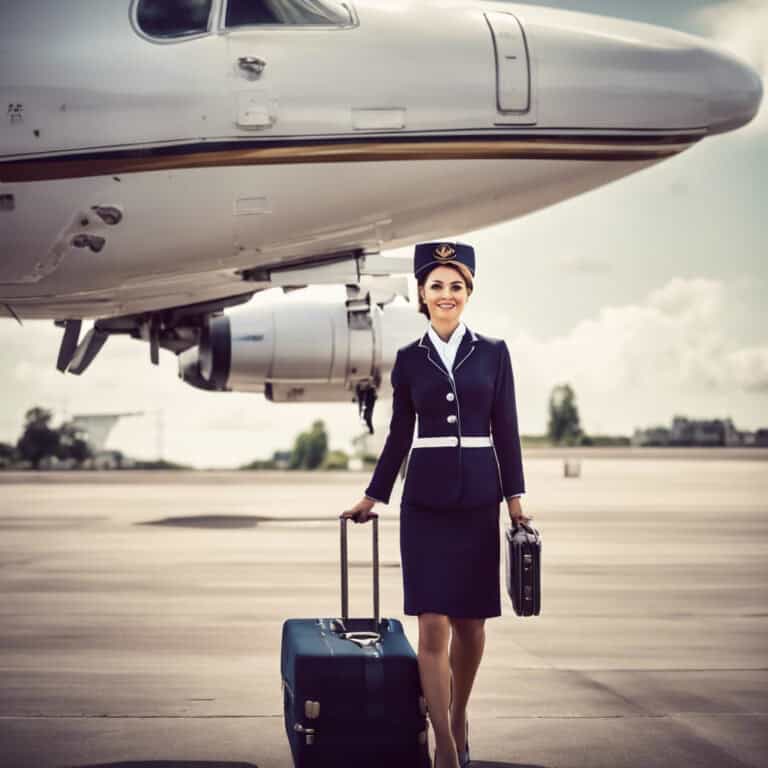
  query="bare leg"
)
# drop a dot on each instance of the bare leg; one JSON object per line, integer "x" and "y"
{"x": 466, "y": 651}
{"x": 435, "y": 671}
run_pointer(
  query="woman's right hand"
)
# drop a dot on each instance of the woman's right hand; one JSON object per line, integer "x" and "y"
{"x": 361, "y": 512}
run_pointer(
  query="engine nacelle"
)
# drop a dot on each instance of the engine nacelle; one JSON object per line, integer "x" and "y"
{"x": 299, "y": 349}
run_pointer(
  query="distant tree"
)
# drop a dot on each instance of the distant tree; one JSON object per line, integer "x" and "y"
{"x": 564, "y": 424}
{"x": 299, "y": 453}
{"x": 336, "y": 460}
{"x": 8, "y": 454}
{"x": 160, "y": 464}
{"x": 38, "y": 440}
{"x": 318, "y": 445}
{"x": 310, "y": 448}
{"x": 73, "y": 443}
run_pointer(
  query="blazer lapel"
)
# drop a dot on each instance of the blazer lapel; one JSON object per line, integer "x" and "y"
{"x": 466, "y": 348}
{"x": 432, "y": 354}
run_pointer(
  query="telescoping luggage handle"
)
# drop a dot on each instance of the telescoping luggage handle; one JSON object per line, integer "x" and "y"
{"x": 361, "y": 638}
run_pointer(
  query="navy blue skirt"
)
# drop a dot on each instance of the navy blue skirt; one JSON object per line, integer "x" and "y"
{"x": 451, "y": 560}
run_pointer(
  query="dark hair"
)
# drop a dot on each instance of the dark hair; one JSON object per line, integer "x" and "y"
{"x": 460, "y": 268}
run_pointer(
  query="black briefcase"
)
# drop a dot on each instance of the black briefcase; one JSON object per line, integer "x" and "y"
{"x": 522, "y": 556}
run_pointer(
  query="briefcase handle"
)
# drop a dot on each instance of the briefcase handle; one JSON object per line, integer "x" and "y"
{"x": 524, "y": 526}
{"x": 345, "y": 571}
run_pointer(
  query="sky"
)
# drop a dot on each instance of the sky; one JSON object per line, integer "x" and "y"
{"x": 647, "y": 296}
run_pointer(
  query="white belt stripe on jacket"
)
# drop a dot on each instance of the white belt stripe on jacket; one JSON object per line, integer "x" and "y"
{"x": 450, "y": 441}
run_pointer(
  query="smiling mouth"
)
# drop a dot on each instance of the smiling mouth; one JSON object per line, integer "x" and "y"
{"x": 446, "y": 306}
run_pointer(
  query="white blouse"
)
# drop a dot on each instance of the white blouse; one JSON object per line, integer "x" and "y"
{"x": 448, "y": 349}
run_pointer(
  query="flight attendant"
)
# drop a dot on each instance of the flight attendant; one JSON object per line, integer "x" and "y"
{"x": 457, "y": 387}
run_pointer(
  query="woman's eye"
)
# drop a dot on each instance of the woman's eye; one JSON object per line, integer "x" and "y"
{"x": 438, "y": 286}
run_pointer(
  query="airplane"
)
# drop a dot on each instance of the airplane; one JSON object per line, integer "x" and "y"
{"x": 163, "y": 161}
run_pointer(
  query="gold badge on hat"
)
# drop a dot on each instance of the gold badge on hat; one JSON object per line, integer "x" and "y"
{"x": 444, "y": 252}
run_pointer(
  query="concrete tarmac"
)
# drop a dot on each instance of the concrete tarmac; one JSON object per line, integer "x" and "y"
{"x": 141, "y": 615}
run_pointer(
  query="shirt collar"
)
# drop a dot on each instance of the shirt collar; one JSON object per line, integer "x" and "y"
{"x": 455, "y": 339}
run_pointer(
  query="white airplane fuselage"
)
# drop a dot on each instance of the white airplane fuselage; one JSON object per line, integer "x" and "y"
{"x": 138, "y": 174}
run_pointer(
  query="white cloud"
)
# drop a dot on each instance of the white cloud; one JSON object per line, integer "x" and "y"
{"x": 635, "y": 364}
{"x": 741, "y": 26}
{"x": 749, "y": 367}
{"x": 698, "y": 296}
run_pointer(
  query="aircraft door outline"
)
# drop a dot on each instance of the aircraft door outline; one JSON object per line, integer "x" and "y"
{"x": 264, "y": 71}
{"x": 515, "y": 96}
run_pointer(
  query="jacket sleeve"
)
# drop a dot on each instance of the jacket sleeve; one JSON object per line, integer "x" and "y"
{"x": 399, "y": 438}
{"x": 506, "y": 438}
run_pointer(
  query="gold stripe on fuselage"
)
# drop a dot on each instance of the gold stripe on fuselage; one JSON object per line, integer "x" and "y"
{"x": 141, "y": 160}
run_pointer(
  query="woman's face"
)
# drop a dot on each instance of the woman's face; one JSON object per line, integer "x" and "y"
{"x": 445, "y": 293}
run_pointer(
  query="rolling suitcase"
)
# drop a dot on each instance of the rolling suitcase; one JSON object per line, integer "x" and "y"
{"x": 351, "y": 688}
{"x": 523, "y": 568}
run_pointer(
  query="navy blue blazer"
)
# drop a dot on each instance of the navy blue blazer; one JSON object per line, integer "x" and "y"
{"x": 478, "y": 402}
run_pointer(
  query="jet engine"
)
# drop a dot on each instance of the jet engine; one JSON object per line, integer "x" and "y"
{"x": 302, "y": 350}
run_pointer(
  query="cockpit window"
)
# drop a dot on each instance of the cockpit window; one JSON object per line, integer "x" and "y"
{"x": 299, "y": 12}
{"x": 173, "y": 18}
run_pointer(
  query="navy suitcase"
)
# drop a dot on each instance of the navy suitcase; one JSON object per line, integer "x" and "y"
{"x": 523, "y": 569}
{"x": 351, "y": 688}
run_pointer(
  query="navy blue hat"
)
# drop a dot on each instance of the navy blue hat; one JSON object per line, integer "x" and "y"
{"x": 434, "y": 254}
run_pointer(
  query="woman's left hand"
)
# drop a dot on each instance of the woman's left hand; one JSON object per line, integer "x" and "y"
{"x": 516, "y": 514}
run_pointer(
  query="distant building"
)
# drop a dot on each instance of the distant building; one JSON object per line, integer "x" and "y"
{"x": 699, "y": 433}
{"x": 97, "y": 427}
{"x": 652, "y": 436}
{"x": 689, "y": 432}
{"x": 732, "y": 435}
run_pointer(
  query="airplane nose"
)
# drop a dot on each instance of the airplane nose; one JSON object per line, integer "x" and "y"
{"x": 613, "y": 74}
{"x": 735, "y": 93}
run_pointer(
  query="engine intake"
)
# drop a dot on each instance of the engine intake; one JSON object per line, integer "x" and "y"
{"x": 296, "y": 349}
